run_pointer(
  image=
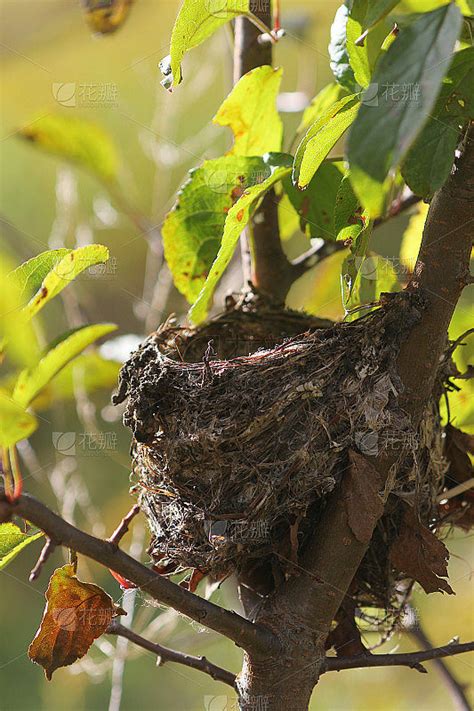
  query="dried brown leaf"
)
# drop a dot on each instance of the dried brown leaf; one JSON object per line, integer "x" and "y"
{"x": 364, "y": 505}
{"x": 420, "y": 555}
{"x": 76, "y": 614}
{"x": 458, "y": 446}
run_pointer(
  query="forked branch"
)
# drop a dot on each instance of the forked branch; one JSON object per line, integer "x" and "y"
{"x": 245, "y": 634}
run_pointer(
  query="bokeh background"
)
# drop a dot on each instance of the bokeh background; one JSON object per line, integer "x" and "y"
{"x": 52, "y": 63}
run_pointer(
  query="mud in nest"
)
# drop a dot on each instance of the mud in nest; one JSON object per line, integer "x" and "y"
{"x": 234, "y": 455}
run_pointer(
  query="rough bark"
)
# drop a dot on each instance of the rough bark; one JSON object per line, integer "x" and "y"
{"x": 302, "y": 609}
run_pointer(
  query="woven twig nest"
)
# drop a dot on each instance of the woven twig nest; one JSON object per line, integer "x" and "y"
{"x": 234, "y": 457}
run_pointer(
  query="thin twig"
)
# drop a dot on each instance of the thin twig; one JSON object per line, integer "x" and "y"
{"x": 123, "y": 526}
{"x": 165, "y": 654}
{"x": 409, "y": 659}
{"x": 255, "y": 638}
{"x": 456, "y": 689}
{"x": 46, "y": 551}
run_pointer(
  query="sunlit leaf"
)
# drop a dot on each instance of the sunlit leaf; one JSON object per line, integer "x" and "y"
{"x": 76, "y": 614}
{"x": 349, "y": 217}
{"x": 192, "y": 231}
{"x": 75, "y": 140}
{"x": 363, "y": 55}
{"x": 17, "y": 339}
{"x": 236, "y": 220}
{"x": 29, "y": 276}
{"x": 321, "y": 103}
{"x": 63, "y": 272}
{"x": 321, "y": 137}
{"x": 315, "y": 205}
{"x": 340, "y": 64}
{"x": 288, "y": 218}
{"x": 12, "y": 542}
{"x": 409, "y": 77}
{"x": 15, "y": 423}
{"x": 197, "y": 20}
{"x": 106, "y": 17}
{"x": 30, "y": 382}
{"x": 250, "y": 111}
{"x": 373, "y": 11}
{"x": 430, "y": 159}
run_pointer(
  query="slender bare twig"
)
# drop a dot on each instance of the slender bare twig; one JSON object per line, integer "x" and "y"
{"x": 165, "y": 654}
{"x": 46, "y": 551}
{"x": 257, "y": 638}
{"x": 123, "y": 526}
{"x": 456, "y": 689}
{"x": 413, "y": 660}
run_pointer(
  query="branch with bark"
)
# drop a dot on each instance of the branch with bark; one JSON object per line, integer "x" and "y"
{"x": 245, "y": 634}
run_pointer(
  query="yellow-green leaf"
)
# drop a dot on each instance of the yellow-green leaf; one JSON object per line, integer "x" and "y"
{"x": 76, "y": 614}
{"x": 193, "y": 229}
{"x": 250, "y": 111}
{"x": 237, "y": 218}
{"x": 197, "y": 20}
{"x": 75, "y": 140}
{"x": 321, "y": 137}
{"x": 323, "y": 101}
{"x": 17, "y": 338}
{"x": 29, "y": 276}
{"x": 30, "y": 382}
{"x": 15, "y": 422}
{"x": 12, "y": 542}
{"x": 63, "y": 272}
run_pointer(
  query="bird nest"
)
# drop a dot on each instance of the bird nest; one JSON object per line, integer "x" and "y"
{"x": 242, "y": 429}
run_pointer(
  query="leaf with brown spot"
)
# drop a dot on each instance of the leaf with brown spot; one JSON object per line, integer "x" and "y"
{"x": 360, "y": 489}
{"x": 76, "y": 614}
{"x": 420, "y": 555}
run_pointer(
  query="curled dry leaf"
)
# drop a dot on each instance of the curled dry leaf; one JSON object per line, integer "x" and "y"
{"x": 360, "y": 489}
{"x": 76, "y": 614}
{"x": 420, "y": 555}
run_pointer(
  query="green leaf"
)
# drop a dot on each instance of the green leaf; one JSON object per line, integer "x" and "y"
{"x": 75, "y": 140}
{"x": 339, "y": 56}
{"x": 29, "y": 276}
{"x": 363, "y": 56}
{"x": 321, "y": 103}
{"x": 63, "y": 272}
{"x": 12, "y": 542}
{"x": 349, "y": 217}
{"x": 197, "y": 20}
{"x": 321, "y": 138}
{"x": 30, "y": 382}
{"x": 192, "y": 231}
{"x": 236, "y": 220}
{"x": 17, "y": 338}
{"x": 410, "y": 72}
{"x": 315, "y": 205}
{"x": 430, "y": 159}
{"x": 250, "y": 111}
{"x": 15, "y": 423}
{"x": 373, "y": 11}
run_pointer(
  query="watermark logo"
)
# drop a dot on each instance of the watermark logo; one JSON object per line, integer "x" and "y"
{"x": 85, "y": 95}
{"x": 86, "y": 444}
{"x": 391, "y": 93}
{"x": 240, "y": 531}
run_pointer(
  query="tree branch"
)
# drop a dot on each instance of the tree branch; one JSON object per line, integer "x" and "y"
{"x": 245, "y": 634}
{"x": 455, "y": 688}
{"x": 410, "y": 659}
{"x": 170, "y": 655}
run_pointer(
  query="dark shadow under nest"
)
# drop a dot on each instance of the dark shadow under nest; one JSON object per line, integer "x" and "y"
{"x": 242, "y": 428}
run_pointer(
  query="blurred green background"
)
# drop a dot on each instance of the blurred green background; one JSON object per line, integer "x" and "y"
{"x": 46, "y": 204}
